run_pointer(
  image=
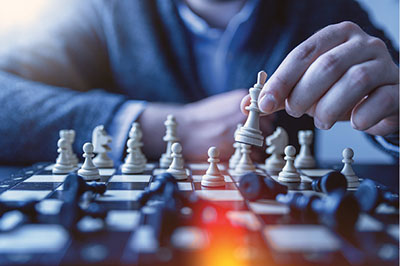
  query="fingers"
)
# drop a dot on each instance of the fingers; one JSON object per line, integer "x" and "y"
{"x": 280, "y": 84}
{"x": 324, "y": 72}
{"x": 343, "y": 96}
{"x": 245, "y": 102}
{"x": 384, "y": 103}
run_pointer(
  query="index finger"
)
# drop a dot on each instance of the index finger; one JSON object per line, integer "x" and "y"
{"x": 280, "y": 84}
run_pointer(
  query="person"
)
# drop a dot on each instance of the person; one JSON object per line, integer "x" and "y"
{"x": 114, "y": 62}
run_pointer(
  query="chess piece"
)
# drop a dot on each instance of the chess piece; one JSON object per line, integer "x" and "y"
{"x": 370, "y": 194}
{"x": 88, "y": 170}
{"x": 304, "y": 160}
{"x": 213, "y": 177}
{"x": 170, "y": 137}
{"x": 289, "y": 172}
{"x": 63, "y": 164}
{"x": 69, "y": 136}
{"x": 254, "y": 187}
{"x": 234, "y": 160}
{"x": 245, "y": 164}
{"x": 347, "y": 171}
{"x": 276, "y": 144}
{"x": 177, "y": 168}
{"x": 330, "y": 182}
{"x": 250, "y": 133}
{"x": 133, "y": 162}
{"x": 75, "y": 186}
{"x": 101, "y": 141}
{"x": 135, "y": 129}
{"x": 337, "y": 210}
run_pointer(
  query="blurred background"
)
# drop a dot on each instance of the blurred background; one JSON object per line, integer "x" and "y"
{"x": 383, "y": 13}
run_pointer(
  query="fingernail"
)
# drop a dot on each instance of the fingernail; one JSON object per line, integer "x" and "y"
{"x": 320, "y": 125}
{"x": 267, "y": 103}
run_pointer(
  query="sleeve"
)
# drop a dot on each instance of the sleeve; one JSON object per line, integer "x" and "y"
{"x": 49, "y": 72}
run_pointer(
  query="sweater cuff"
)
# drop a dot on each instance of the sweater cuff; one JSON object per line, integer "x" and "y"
{"x": 121, "y": 124}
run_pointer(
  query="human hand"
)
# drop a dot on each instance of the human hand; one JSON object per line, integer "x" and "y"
{"x": 209, "y": 122}
{"x": 339, "y": 73}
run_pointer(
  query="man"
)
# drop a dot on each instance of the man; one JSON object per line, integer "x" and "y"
{"x": 193, "y": 59}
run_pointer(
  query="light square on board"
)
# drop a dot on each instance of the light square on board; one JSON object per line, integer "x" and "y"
{"x": 220, "y": 195}
{"x": 301, "y": 238}
{"x": 46, "y": 178}
{"x": 123, "y": 220}
{"x": 22, "y": 195}
{"x": 315, "y": 172}
{"x": 159, "y": 171}
{"x": 130, "y": 178}
{"x": 119, "y": 195}
{"x": 269, "y": 207}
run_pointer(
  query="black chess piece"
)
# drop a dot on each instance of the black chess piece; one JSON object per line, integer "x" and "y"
{"x": 75, "y": 186}
{"x": 27, "y": 208}
{"x": 370, "y": 194}
{"x": 157, "y": 190}
{"x": 71, "y": 213}
{"x": 254, "y": 187}
{"x": 331, "y": 181}
{"x": 337, "y": 210}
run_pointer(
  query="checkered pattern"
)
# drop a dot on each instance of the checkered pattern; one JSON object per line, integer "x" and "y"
{"x": 266, "y": 216}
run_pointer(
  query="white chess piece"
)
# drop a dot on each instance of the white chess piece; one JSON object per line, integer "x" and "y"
{"x": 245, "y": 164}
{"x": 347, "y": 171}
{"x": 289, "y": 172}
{"x": 133, "y": 161}
{"x": 69, "y": 136}
{"x": 234, "y": 160}
{"x": 304, "y": 159}
{"x": 170, "y": 137}
{"x": 250, "y": 133}
{"x": 101, "y": 141}
{"x": 177, "y": 168}
{"x": 136, "y": 129}
{"x": 276, "y": 145}
{"x": 63, "y": 164}
{"x": 213, "y": 177}
{"x": 88, "y": 170}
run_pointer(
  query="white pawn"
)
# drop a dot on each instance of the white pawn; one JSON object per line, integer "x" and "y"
{"x": 133, "y": 162}
{"x": 289, "y": 172}
{"x": 304, "y": 159}
{"x": 63, "y": 164}
{"x": 245, "y": 164}
{"x": 276, "y": 146}
{"x": 234, "y": 160}
{"x": 347, "y": 171}
{"x": 88, "y": 170}
{"x": 135, "y": 129}
{"x": 250, "y": 133}
{"x": 213, "y": 177}
{"x": 170, "y": 137}
{"x": 177, "y": 168}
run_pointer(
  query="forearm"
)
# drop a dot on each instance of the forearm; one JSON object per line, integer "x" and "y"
{"x": 33, "y": 113}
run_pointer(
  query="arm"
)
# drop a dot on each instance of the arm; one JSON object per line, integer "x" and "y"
{"x": 45, "y": 74}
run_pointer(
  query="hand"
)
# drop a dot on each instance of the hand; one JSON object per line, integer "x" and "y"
{"x": 339, "y": 73}
{"x": 209, "y": 122}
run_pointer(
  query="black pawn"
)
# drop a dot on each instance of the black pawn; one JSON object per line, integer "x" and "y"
{"x": 254, "y": 187}
{"x": 370, "y": 194}
{"x": 330, "y": 182}
{"x": 75, "y": 186}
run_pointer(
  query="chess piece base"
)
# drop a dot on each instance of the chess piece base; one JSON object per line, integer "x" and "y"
{"x": 178, "y": 174}
{"x": 62, "y": 169}
{"x": 102, "y": 160}
{"x": 132, "y": 169}
{"x": 288, "y": 177}
{"x": 212, "y": 181}
{"x": 89, "y": 175}
{"x": 250, "y": 136}
{"x": 304, "y": 162}
{"x": 243, "y": 170}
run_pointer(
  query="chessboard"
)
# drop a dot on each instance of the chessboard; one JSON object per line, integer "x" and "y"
{"x": 231, "y": 230}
